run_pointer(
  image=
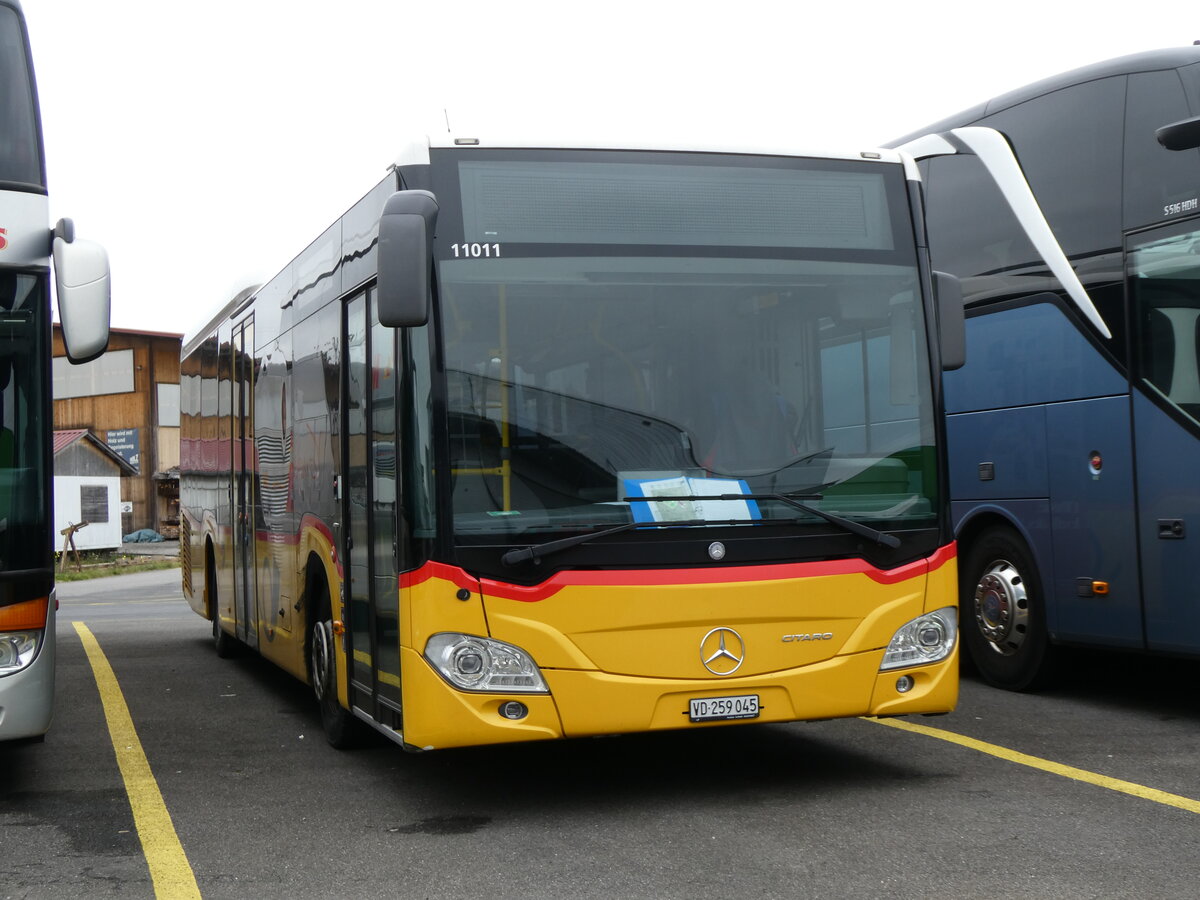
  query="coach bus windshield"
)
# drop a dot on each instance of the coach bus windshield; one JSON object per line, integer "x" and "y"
{"x": 623, "y": 327}
{"x": 20, "y": 151}
{"x": 24, "y": 506}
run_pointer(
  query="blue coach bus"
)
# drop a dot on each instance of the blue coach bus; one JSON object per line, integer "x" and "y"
{"x": 1075, "y": 440}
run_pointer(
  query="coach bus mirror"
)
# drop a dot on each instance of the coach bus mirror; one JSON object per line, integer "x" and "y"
{"x": 405, "y": 258}
{"x": 84, "y": 294}
{"x": 952, "y": 325}
{"x": 1180, "y": 135}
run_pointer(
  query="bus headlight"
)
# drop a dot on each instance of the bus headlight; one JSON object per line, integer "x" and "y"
{"x": 480, "y": 664}
{"x": 17, "y": 650}
{"x": 926, "y": 639}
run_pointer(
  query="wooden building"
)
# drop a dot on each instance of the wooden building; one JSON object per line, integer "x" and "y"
{"x": 87, "y": 489}
{"x": 129, "y": 398}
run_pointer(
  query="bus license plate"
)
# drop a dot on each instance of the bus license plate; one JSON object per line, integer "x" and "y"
{"x": 711, "y": 709}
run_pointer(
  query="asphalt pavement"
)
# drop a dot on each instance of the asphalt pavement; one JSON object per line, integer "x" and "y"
{"x": 1085, "y": 790}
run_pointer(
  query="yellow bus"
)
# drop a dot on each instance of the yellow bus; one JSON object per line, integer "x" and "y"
{"x": 546, "y": 441}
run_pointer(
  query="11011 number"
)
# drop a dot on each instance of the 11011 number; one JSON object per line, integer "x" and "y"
{"x": 475, "y": 251}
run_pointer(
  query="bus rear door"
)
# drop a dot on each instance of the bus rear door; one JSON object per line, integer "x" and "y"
{"x": 244, "y": 464}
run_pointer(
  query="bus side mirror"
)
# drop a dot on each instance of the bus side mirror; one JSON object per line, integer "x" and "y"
{"x": 84, "y": 293}
{"x": 1180, "y": 135}
{"x": 406, "y": 230}
{"x": 952, "y": 320}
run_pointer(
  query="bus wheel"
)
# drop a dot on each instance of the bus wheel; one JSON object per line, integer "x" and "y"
{"x": 342, "y": 730}
{"x": 1003, "y": 612}
{"x": 223, "y": 642}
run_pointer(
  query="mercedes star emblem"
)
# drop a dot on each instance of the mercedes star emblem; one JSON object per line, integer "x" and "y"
{"x": 722, "y": 651}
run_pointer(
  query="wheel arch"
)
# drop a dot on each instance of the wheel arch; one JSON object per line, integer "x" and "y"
{"x": 210, "y": 578}
{"x": 319, "y": 587}
{"x": 1011, "y": 653}
{"x": 982, "y": 519}
{"x": 316, "y": 576}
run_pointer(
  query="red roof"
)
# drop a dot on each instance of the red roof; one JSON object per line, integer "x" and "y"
{"x": 64, "y": 439}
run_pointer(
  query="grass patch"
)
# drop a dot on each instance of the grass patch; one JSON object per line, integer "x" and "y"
{"x": 101, "y": 563}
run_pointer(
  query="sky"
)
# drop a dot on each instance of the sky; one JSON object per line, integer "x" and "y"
{"x": 205, "y": 144}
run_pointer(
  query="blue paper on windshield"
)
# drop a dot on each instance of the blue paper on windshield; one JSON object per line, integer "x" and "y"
{"x": 687, "y": 503}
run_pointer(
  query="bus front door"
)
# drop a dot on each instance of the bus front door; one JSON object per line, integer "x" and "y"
{"x": 1164, "y": 293}
{"x": 369, "y": 510}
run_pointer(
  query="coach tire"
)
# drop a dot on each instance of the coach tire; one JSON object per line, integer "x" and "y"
{"x": 1003, "y": 612}
{"x": 342, "y": 730}
{"x": 223, "y": 642}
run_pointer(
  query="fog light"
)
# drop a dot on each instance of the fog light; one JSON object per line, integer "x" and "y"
{"x": 514, "y": 709}
{"x": 904, "y": 684}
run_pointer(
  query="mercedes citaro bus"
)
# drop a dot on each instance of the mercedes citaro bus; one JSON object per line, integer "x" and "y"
{"x": 550, "y": 440}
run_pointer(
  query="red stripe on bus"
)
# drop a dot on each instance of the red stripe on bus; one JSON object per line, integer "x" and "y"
{"x": 645, "y": 577}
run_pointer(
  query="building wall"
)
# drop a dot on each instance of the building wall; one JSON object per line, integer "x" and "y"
{"x": 82, "y": 458}
{"x": 167, "y": 448}
{"x": 68, "y": 511}
{"x": 155, "y": 364}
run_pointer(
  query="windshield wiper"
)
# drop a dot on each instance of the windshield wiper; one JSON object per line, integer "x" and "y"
{"x": 794, "y": 501}
{"x": 537, "y": 551}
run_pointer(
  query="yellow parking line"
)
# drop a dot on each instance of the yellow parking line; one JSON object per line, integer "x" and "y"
{"x": 169, "y": 867}
{"x": 1034, "y": 762}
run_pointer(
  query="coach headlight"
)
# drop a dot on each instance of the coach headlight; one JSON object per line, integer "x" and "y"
{"x": 926, "y": 639}
{"x": 480, "y": 664}
{"x": 22, "y": 630}
{"x": 17, "y": 650}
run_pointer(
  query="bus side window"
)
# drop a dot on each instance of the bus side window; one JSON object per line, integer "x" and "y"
{"x": 1081, "y": 124}
{"x": 1163, "y": 291}
{"x": 971, "y": 228}
{"x": 1156, "y": 178}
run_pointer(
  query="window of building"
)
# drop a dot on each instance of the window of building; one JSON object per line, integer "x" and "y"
{"x": 168, "y": 405}
{"x": 111, "y": 373}
{"x": 93, "y": 503}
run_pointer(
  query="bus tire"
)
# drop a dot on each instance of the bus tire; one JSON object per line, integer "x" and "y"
{"x": 1003, "y": 612}
{"x": 342, "y": 730}
{"x": 223, "y": 642}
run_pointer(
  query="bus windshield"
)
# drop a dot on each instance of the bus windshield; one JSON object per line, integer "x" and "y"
{"x": 641, "y": 337}
{"x": 20, "y": 149}
{"x": 24, "y": 375}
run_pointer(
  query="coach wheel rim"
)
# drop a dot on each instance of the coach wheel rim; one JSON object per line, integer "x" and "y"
{"x": 1002, "y": 607}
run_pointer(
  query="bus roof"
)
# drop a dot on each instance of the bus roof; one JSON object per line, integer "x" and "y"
{"x": 417, "y": 152}
{"x": 1149, "y": 61}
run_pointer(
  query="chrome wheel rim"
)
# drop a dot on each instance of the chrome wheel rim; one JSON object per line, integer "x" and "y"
{"x": 1002, "y": 607}
{"x": 322, "y": 659}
